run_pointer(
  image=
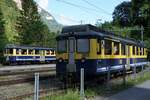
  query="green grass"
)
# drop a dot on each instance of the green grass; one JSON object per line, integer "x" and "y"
{"x": 117, "y": 86}
{"x": 102, "y": 90}
{"x": 70, "y": 95}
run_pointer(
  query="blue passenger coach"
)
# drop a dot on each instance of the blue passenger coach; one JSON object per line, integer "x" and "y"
{"x": 25, "y": 54}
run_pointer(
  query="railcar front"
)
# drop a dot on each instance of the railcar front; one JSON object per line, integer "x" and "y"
{"x": 76, "y": 50}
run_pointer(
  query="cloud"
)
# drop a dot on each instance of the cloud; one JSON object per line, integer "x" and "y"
{"x": 43, "y": 3}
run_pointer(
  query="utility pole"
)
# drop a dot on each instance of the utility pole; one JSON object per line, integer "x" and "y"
{"x": 81, "y": 22}
{"x": 98, "y": 22}
{"x": 142, "y": 29}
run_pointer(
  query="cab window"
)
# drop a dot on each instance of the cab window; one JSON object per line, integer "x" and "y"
{"x": 108, "y": 47}
{"x": 62, "y": 46}
{"x": 83, "y": 45}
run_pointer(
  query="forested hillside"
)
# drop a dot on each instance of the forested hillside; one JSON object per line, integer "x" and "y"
{"x": 10, "y": 13}
{"x": 38, "y": 32}
{"x": 130, "y": 19}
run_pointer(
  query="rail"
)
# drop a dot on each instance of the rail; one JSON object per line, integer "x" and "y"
{"x": 26, "y": 69}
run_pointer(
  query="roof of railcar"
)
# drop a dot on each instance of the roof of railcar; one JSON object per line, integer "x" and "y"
{"x": 9, "y": 46}
{"x": 90, "y": 31}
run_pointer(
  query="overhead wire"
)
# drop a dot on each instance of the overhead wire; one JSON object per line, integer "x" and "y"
{"x": 86, "y": 9}
{"x": 95, "y": 6}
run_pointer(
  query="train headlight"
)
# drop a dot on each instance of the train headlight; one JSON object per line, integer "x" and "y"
{"x": 60, "y": 60}
{"x": 83, "y": 60}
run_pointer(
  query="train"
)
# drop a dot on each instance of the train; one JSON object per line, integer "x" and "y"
{"x": 14, "y": 54}
{"x": 97, "y": 51}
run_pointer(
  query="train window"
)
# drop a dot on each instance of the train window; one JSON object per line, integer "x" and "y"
{"x": 133, "y": 50}
{"x": 140, "y": 51}
{"x": 98, "y": 46}
{"x": 17, "y": 51}
{"x": 52, "y": 52}
{"x": 37, "y": 52}
{"x": 137, "y": 51}
{"x": 83, "y": 45}
{"x": 116, "y": 48}
{"x": 24, "y": 51}
{"x": 123, "y": 49}
{"x": 6, "y": 51}
{"x": 108, "y": 47}
{"x": 48, "y": 52}
{"x": 30, "y": 51}
{"x": 10, "y": 51}
{"x": 62, "y": 46}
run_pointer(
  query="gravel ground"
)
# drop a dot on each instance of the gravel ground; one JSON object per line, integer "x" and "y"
{"x": 9, "y": 91}
{"x": 15, "y": 90}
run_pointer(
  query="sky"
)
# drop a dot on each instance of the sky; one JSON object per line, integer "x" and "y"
{"x": 73, "y": 12}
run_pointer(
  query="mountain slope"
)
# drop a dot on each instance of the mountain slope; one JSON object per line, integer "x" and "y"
{"x": 46, "y": 17}
{"x": 49, "y": 20}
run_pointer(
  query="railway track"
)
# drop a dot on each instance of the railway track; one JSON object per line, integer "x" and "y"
{"x": 24, "y": 79}
{"x": 26, "y": 69}
{"x": 49, "y": 85}
{"x": 59, "y": 89}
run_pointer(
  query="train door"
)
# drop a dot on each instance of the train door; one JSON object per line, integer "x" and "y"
{"x": 42, "y": 55}
{"x": 71, "y": 66}
{"x": 128, "y": 56}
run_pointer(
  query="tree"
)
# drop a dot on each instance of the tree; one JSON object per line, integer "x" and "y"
{"x": 122, "y": 14}
{"x": 3, "y": 38}
{"x": 31, "y": 29}
{"x": 141, "y": 12}
{"x": 141, "y": 15}
{"x": 136, "y": 14}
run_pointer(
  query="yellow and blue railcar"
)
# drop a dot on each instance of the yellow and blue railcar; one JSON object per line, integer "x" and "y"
{"x": 26, "y": 54}
{"x": 85, "y": 46}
